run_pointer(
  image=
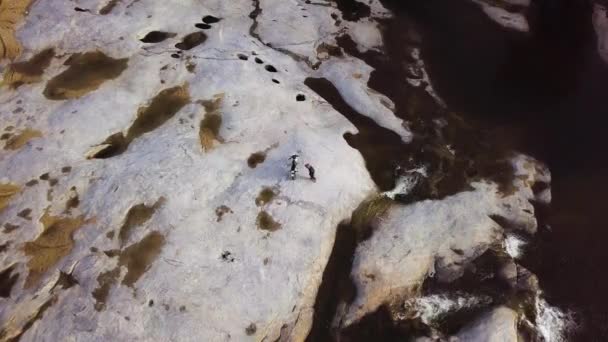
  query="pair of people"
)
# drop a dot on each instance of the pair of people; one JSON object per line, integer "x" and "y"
{"x": 294, "y": 168}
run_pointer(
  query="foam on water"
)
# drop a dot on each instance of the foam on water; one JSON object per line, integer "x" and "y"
{"x": 431, "y": 308}
{"x": 406, "y": 183}
{"x": 514, "y": 245}
{"x": 552, "y": 323}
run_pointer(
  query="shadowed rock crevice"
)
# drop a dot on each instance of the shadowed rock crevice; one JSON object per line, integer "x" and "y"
{"x": 7, "y": 281}
{"x": 85, "y": 73}
{"x": 161, "y": 108}
{"x": 337, "y": 288}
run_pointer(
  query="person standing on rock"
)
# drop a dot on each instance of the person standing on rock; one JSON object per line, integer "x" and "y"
{"x": 311, "y": 172}
{"x": 294, "y": 166}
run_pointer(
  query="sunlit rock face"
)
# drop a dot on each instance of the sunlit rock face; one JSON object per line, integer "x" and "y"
{"x": 125, "y": 170}
{"x": 144, "y": 189}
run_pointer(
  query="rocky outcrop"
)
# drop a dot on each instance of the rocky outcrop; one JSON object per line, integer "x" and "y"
{"x": 145, "y": 192}
{"x": 498, "y": 325}
{"x": 600, "y": 24}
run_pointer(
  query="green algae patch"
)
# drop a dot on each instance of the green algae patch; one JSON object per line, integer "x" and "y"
{"x": 30, "y": 71}
{"x": 267, "y": 222}
{"x": 161, "y": 108}
{"x": 136, "y": 216}
{"x": 86, "y": 73}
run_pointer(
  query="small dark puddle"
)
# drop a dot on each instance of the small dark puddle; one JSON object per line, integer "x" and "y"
{"x": 29, "y": 71}
{"x": 265, "y": 196}
{"x": 138, "y": 257}
{"x": 136, "y": 216}
{"x": 256, "y": 158}
{"x": 267, "y": 222}
{"x": 162, "y": 108}
{"x": 202, "y": 26}
{"x": 209, "y": 19}
{"x": 191, "y": 41}
{"x": 157, "y": 36}
{"x": 85, "y": 74}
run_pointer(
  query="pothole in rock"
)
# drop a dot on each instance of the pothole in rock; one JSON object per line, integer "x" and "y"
{"x": 209, "y": 19}
{"x": 256, "y": 158}
{"x": 202, "y": 26}
{"x": 157, "y": 36}
{"x": 192, "y": 40}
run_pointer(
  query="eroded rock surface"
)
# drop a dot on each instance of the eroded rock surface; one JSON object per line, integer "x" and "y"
{"x": 145, "y": 192}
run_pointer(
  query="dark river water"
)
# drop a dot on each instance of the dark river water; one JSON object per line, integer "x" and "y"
{"x": 544, "y": 93}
